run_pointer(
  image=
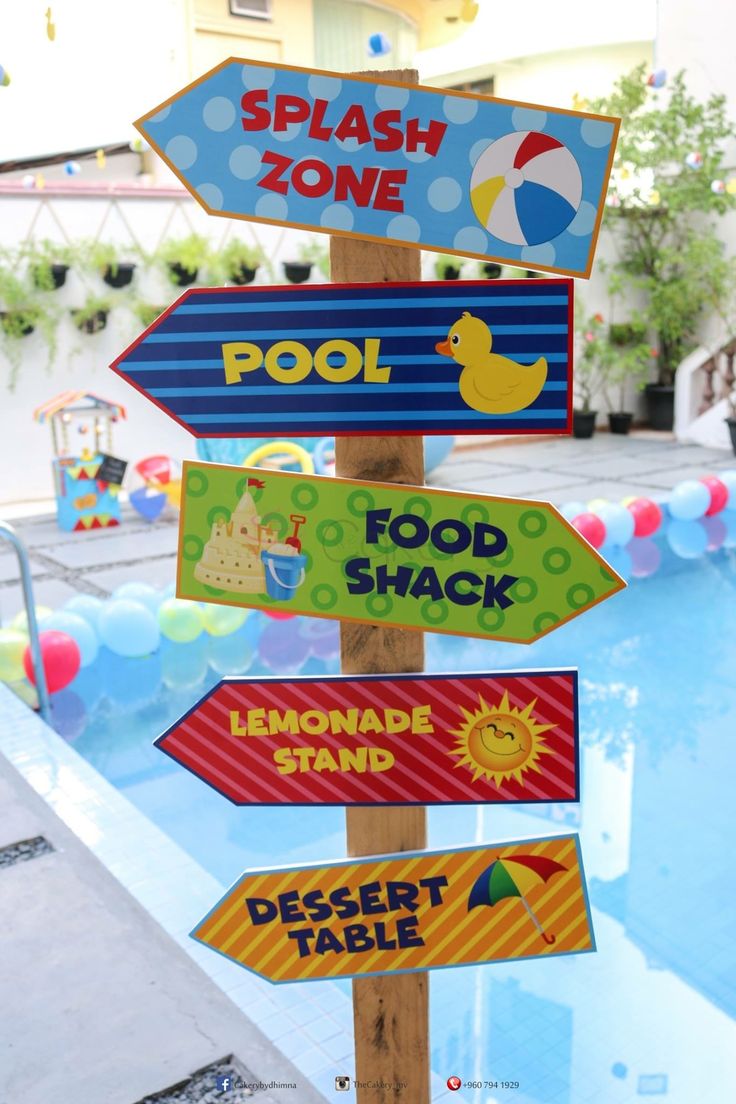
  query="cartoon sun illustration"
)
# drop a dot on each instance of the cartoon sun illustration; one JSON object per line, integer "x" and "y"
{"x": 501, "y": 742}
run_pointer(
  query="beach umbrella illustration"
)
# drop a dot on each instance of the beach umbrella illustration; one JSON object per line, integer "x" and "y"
{"x": 514, "y": 876}
{"x": 526, "y": 188}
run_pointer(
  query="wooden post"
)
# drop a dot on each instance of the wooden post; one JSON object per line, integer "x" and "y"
{"x": 391, "y": 1014}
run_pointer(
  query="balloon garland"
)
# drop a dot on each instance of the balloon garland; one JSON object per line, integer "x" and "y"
{"x": 689, "y": 518}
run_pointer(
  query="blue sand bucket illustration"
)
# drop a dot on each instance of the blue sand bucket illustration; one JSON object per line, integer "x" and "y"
{"x": 284, "y": 574}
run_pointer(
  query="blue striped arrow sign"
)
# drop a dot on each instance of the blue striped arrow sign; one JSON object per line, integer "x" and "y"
{"x": 486, "y": 357}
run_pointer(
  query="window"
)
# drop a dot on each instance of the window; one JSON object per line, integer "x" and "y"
{"x": 483, "y": 87}
{"x": 253, "y": 9}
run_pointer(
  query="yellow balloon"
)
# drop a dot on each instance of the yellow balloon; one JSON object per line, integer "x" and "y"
{"x": 180, "y": 620}
{"x": 628, "y": 500}
{"x": 12, "y": 646}
{"x": 222, "y": 620}
{"x": 596, "y": 503}
{"x": 20, "y": 621}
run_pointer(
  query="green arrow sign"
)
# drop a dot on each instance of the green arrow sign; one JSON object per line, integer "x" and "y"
{"x": 410, "y": 557}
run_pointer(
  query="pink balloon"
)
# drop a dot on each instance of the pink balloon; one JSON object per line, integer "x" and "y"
{"x": 60, "y": 656}
{"x": 591, "y": 527}
{"x": 647, "y": 516}
{"x": 645, "y": 557}
{"x": 718, "y": 494}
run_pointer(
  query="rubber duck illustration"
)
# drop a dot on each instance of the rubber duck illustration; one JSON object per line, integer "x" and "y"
{"x": 490, "y": 383}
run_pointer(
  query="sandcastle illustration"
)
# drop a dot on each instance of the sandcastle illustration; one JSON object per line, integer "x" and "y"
{"x": 247, "y": 556}
{"x": 231, "y": 559}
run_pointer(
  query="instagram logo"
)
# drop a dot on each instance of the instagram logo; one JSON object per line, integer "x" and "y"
{"x": 454, "y": 1083}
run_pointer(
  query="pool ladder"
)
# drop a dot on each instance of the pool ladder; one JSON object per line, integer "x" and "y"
{"x": 8, "y": 533}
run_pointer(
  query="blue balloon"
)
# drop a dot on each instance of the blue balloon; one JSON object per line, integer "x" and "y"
{"x": 68, "y": 715}
{"x": 140, "y": 592}
{"x": 689, "y": 500}
{"x": 619, "y": 523}
{"x": 378, "y": 45}
{"x": 729, "y": 478}
{"x": 687, "y": 539}
{"x": 230, "y": 655}
{"x": 571, "y": 510}
{"x": 728, "y": 517}
{"x": 184, "y": 666}
{"x": 130, "y": 684}
{"x": 436, "y": 449}
{"x": 128, "y": 628}
{"x": 620, "y": 560}
{"x": 645, "y": 557}
{"x": 86, "y": 606}
{"x": 79, "y": 630}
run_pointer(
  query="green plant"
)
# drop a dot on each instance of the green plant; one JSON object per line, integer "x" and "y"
{"x": 620, "y": 365}
{"x": 99, "y": 257}
{"x": 662, "y": 213}
{"x": 23, "y": 311}
{"x": 588, "y": 376}
{"x": 146, "y": 313}
{"x": 41, "y": 256}
{"x": 444, "y": 262}
{"x": 90, "y": 315}
{"x": 316, "y": 253}
{"x": 237, "y": 254}
{"x": 190, "y": 254}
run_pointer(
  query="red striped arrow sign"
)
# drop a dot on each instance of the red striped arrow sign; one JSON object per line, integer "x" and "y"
{"x": 372, "y": 740}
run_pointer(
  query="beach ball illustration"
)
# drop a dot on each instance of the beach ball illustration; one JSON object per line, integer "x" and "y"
{"x": 526, "y": 188}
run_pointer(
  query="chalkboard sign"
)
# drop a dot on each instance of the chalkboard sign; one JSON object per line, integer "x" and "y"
{"x": 112, "y": 469}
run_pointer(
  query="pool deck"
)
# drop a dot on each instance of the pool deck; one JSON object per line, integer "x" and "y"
{"x": 98, "y": 1002}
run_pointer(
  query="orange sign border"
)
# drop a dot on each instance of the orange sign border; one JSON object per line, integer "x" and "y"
{"x": 580, "y": 274}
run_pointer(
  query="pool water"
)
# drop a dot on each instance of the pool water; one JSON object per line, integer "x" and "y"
{"x": 651, "y": 1014}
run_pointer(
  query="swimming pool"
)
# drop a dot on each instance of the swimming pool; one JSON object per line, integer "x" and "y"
{"x": 651, "y": 1014}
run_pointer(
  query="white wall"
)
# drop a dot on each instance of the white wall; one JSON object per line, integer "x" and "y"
{"x": 82, "y": 360}
{"x": 111, "y": 61}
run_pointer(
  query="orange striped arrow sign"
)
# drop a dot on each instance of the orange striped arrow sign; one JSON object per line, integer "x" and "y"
{"x": 400, "y": 913}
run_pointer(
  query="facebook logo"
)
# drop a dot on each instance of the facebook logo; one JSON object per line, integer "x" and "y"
{"x": 224, "y": 1083}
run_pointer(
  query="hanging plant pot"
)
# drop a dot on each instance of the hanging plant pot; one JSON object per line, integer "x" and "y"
{"x": 55, "y": 274}
{"x": 583, "y": 423}
{"x": 119, "y": 275}
{"x": 181, "y": 276}
{"x": 91, "y": 323}
{"x": 660, "y": 405}
{"x": 620, "y": 422}
{"x": 491, "y": 270}
{"x": 16, "y": 323}
{"x": 450, "y": 272}
{"x": 242, "y": 274}
{"x": 297, "y": 272}
{"x": 731, "y": 423}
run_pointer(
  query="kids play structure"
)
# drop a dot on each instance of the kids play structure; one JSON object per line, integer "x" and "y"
{"x": 86, "y": 478}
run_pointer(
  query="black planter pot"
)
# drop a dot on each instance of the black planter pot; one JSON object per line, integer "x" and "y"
{"x": 731, "y": 423}
{"x": 26, "y": 329}
{"x": 451, "y": 272}
{"x": 660, "y": 405}
{"x": 94, "y": 324}
{"x": 58, "y": 276}
{"x": 243, "y": 274}
{"x": 491, "y": 271}
{"x": 620, "y": 422}
{"x": 118, "y": 276}
{"x": 531, "y": 275}
{"x": 181, "y": 276}
{"x": 296, "y": 272}
{"x": 583, "y": 423}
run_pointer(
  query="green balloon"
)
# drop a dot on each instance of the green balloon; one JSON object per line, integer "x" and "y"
{"x": 180, "y": 620}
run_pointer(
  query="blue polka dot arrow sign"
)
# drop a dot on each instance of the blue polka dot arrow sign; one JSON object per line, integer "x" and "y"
{"x": 495, "y": 179}
{"x": 383, "y": 553}
{"x": 323, "y": 360}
